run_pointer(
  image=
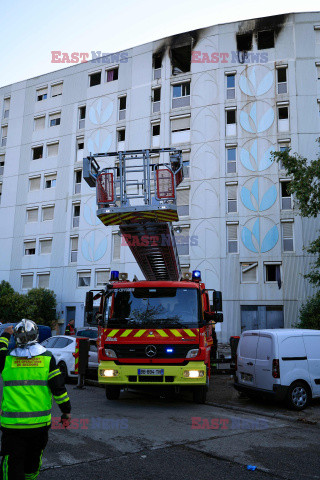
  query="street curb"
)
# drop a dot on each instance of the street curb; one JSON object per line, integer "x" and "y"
{"x": 93, "y": 383}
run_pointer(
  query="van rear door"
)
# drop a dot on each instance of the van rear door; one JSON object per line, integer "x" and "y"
{"x": 263, "y": 368}
{"x": 293, "y": 360}
{"x": 247, "y": 352}
{"x": 312, "y": 344}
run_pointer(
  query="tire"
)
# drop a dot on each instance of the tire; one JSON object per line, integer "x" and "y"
{"x": 298, "y": 396}
{"x": 200, "y": 394}
{"x": 64, "y": 371}
{"x": 112, "y": 392}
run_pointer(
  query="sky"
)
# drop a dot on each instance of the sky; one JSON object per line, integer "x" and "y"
{"x": 32, "y": 29}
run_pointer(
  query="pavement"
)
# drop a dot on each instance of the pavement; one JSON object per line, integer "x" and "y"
{"x": 144, "y": 436}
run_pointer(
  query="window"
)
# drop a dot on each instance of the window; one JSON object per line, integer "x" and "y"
{"x": 42, "y": 94}
{"x": 37, "y": 152}
{"x": 232, "y": 238}
{"x": 29, "y": 247}
{"x": 0, "y": 191}
{"x": 283, "y": 118}
{"x": 183, "y": 202}
{"x": 2, "y": 157}
{"x": 180, "y": 129}
{"x": 155, "y": 127}
{"x": 186, "y": 163}
{"x": 95, "y": 79}
{"x": 50, "y": 180}
{"x": 32, "y": 214}
{"x": 101, "y": 278}
{"x": 62, "y": 342}
{"x": 181, "y": 95}
{"x": 74, "y": 249}
{"x": 283, "y": 147}
{"x": 39, "y": 123}
{"x": 231, "y": 86}
{"x": 56, "y": 89}
{"x": 76, "y": 214}
{"x": 121, "y": 135}
{"x": 112, "y": 74}
{"x": 157, "y": 64}
{"x": 79, "y": 149}
{"x": 34, "y": 183}
{"x": 156, "y": 97}
{"x": 6, "y": 107}
{"x": 4, "y": 134}
{"x": 47, "y": 213}
{"x": 45, "y": 246}
{"x": 52, "y": 149}
{"x": 286, "y": 198}
{"x": 122, "y": 107}
{"x": 84, "y": 279}
{"x": 244, "y": 42}
{"x": 27, "y": 281}
{"x": 54, "y": 119}
{"x": 231, "y": 124}
{"x": 43, "y": 280}
{"x": 77, "y": 181}
{"x": 180, "y": 59}
{"x": 231, "y": 153}
{"x": 249, "y": 272}
{"x": 82, "y": 116}
{"x": 287, "y": 236}
{"x": 318, "y": 71}
{"x": 265, "y": 39}
{"x": 182, "y": 240}
{"x": 232, "y": 202}
{"x": 116, "y": 240}
{"x": 272, "y": 272}
{"x": 282, "y": 79}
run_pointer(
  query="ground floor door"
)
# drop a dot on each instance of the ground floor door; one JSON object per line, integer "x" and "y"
{"x": 254, "y": 317}
{"x": 71, "y": 315}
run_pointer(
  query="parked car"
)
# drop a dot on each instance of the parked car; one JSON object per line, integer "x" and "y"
{"x": 44, "y": 333}
{"x": 88, "y": 332}
{"x": 284, "y": 363}
{"x": 63, "y": 348}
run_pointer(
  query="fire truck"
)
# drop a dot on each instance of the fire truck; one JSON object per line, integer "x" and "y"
{"x": 157, "y": 332}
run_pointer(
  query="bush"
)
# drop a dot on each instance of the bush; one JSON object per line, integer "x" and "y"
{"x": 310, "y": 313}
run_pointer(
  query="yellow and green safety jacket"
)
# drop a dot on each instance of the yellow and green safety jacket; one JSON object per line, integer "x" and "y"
{"x": 28, "y": 387}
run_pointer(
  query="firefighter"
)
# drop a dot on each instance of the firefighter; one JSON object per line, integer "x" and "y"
{"x": 30, "y": 378}
{"x": 70, "y": 328}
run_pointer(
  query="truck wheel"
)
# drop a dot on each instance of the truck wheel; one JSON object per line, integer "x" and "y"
{"x": 112, "y": 392}
{"x": 298, "y": 396}
{"x": 200, "y": 394}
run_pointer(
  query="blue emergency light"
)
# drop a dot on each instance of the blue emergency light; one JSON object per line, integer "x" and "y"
{"x": 196, "y": 276}
{"x": 169, "y": 350}
{"x": 114, "y": 276}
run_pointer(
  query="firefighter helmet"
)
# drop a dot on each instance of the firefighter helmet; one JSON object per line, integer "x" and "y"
{"x": 26, "y": 332}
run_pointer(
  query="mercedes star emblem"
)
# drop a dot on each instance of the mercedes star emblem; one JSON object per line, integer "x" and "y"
{"x": 151, "y": 351}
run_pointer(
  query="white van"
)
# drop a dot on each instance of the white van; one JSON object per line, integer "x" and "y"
{"x": 282, "y": 362}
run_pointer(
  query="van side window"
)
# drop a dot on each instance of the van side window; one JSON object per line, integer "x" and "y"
{"x": 312, "y": 344}
{"x": 292, "y": 347}
{"x": 248, "y": 346}
{"x": 264, "y": 348}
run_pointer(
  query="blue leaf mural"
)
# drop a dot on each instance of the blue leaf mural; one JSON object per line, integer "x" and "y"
{"x": 265, "y": 84}
{"x": 98, "y": 115}
{"x": 247, "y": 240}
{"x": 256, "y": 81}
{"x": 270, "y": 240}
{"x": 266, "y": 160}
{"x": 94, "y": 246}
{"x": 251, "y": 238}
{"x": 246, "y": 199}
{"x": 268, "y": 198}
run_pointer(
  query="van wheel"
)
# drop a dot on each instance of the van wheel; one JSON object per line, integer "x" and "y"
{"x": 298, "y": 396}
{"x": 112, "y": 392}
{"x": 200, "y": 394}
{"x": 64, "y": 371}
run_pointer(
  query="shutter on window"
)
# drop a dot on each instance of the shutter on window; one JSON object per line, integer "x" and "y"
{"x": 51, "y": 177}
{"x": 56, "y": 89}
{"x": 5, "y": 131}
{"x": 42, "y": 91}
{"x": 74, "y": 244}
{"x": 318, "y": 71}
{"x": 249, "y": 272}
{"x": 47, "y": 213}
{"x": 232, "y": 192}
{"x": 180, "y": 124}
{"x": 116, "y": 246}
{"x": 39, "y": 123}
{"x": 232, "y": 232}
{"x": 43, "y": 280}
{"x": 101, "y": 277}
{"x": 6, "y": 103}
{"x": 27, "y": 281}
{"x": 55, "y": 116}
{"x": 53, "y": 149}
{"x": 29, "y": 245}
{"x": 183, "y": 197}
{"x": 35, "y": 183}
{"x": 287, "y": 229}
{"x": 45, "y": 246}
{"x": 32, "y": 215}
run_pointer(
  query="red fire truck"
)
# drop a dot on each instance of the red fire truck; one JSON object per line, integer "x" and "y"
{"x": 156, "y": 332}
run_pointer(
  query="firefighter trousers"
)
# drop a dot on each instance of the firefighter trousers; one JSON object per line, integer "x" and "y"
{"x": 21, "y": 451}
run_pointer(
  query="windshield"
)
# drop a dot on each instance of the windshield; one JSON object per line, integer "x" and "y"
{"x": 153, "y": 308}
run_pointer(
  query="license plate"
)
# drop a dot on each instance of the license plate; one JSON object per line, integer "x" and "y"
{"x": 247, "y": 377}
{"x": 150, "y": 371}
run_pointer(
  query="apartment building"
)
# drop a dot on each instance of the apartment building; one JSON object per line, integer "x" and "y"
{"x": 227, "y": 95}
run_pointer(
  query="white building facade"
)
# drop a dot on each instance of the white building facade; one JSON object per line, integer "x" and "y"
{"x": 227, "y": 96}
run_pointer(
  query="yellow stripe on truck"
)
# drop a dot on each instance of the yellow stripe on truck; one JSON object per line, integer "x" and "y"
{"x": 162, "y": 333}
{"x": 189, "y": 332}
{"x": 125, "y": 333}
{"x": 112, "y": 333}
{"x": 176, "y": 333}
{"x": 141, "y": 332}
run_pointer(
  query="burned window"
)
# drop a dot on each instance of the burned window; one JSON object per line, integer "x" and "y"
{"x": 95, "y": 79}
{"x": 181, "y": 59}
{"x": 244, "y": 42}
{"x": 157, "y": 61}
{"x": 121, "y": 135}
{"x": 265, "y": 39}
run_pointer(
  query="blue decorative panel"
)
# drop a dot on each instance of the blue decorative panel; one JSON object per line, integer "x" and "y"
{"x": 256, "y": 117}
{"x": 100, "y": 141}
{"x": 89, "y": 212}
{"x": 94, "y": 246}
{"x": 256, "y": 80}
{"x": 255, "y": 155}
{"x": 260, "y": 235}
{"x": 100, "y": 111}
{"x": 258, "y": 194}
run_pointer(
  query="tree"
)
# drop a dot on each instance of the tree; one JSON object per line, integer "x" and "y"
{"x": 310, "y": 313}
{"x": 41, "y": 306}
{"x": 305, "y": 185}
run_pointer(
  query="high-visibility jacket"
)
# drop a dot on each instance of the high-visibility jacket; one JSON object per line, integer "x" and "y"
{"x": 28, "y": 386}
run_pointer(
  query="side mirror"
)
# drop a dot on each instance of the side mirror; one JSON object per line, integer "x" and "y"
{"x": 217, "y": 301}
{"x": 89, "y": 302}
{"x": 209, "y": 316}
{"x": 218, "y": 317}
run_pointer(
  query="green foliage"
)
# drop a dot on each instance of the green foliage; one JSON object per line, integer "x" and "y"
{"x": 310, "y": 313}
{"x": 38, "y": 305}
{"x": 305, "y": 185}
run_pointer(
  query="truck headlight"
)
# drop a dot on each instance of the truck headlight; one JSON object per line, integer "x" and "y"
{"x": 109, "y": 373}
{"x": 110, "y": 353}
{"x": 193, "y": 373}
{"x": 193, "y": 353}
